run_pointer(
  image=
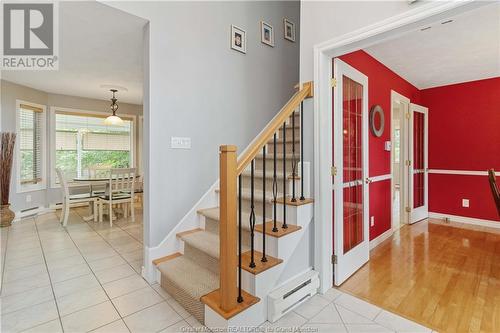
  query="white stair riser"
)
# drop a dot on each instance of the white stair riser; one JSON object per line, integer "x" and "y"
{"x": 299, "y": 215}
{"x": 279, "y": 247}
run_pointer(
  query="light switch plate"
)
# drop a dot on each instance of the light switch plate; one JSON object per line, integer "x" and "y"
{"x": 372, "y": 221}
{"x": 465, "y": 203}
{"x": 180, "y": 143}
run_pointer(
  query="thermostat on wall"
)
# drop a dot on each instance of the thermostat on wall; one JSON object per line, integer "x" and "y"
{"x": 388, "y": 146}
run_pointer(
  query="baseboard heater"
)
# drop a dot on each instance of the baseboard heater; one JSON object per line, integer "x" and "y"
{"x": 291, "y": 294}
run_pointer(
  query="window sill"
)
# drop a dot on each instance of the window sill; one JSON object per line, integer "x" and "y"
{"x": 30, "y": 188}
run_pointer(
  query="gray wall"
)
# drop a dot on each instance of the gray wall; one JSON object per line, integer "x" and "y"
{"x": 200, "y": 88}
{"x": 10, "y": 92}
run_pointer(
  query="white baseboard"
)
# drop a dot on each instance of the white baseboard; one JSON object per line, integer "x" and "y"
{"x": 380, "y": 238}
{"x": 33, "y": 212}
{"x": 466, "y": 220}
{"x": 170, "y": 244}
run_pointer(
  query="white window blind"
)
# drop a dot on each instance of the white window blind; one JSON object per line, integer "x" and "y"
{"x": 30, "y": 143}
{"x": 83, "y": 143}
{"x": 106, "y": 141}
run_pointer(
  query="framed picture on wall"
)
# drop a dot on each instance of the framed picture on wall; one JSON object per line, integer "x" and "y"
{"x": 289, "y": 28}
{"x": 238, "y": 39}
{"x": 266, "y": 33}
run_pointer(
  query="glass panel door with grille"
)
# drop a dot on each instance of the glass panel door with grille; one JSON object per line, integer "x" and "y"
{"x": 350, "y": 114}
{"x": 418, "y": 170}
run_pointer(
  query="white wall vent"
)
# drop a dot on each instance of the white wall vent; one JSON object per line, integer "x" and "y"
{"x": 291, "y": 294}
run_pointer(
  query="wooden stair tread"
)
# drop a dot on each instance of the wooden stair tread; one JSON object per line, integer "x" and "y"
{"x": 280, "y": 141}
{"x": 259, "y": 265}
{"x": 158, "y": 261}
{"x": 213, "y": 300}
{"x": 269, "y": 174}
{"x": 187, "y": 232}
{"x": 281, "y": 231}
{"x": 299, "y": 202}
{"x": 246, "y": 195}
{"x": 213, "y": 214}
{"x": 279, "y": 156}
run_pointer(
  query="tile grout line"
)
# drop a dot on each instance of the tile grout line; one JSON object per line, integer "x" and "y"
{"x": 4, "y": 259}
{"x": 100, "y": 284}
{"x": 48, "y": 273}
{"x": 93, "y": 273}
{"x": 164, "y": 300}
{"x": 110, "y": 299}
{"x": 342, "y": 319}
{"x": 130, "y": 266}
{"x": 106, "y": 241}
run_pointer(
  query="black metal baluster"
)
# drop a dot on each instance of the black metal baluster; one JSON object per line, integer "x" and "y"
{"x": 240, "y": 298}
{"x": 294, "y": 175}
{"x": 284, "y": 226}
{"x": 302, "y": 151}
{"x": 252, "y": 215}
{"x": 264, "y": 258}
{"x": 275, "y": 185}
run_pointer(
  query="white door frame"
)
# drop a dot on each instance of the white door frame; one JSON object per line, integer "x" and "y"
{"x": 349, "y": 262}
{"x": 411, "y": 20}
{"x": 422, "y": 212}
{"x": 403, "y": 172}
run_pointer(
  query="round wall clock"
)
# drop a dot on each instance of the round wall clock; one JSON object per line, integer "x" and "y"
{"x": 377, "y": 127}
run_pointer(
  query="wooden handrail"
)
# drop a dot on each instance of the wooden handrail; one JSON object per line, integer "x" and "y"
{"x": 229, "y": 170}
{"x": 274, "y": 125}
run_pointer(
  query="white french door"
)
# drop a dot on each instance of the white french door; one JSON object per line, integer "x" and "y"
{"x": 418, "y": 166}
{"x": 350, "y": 171}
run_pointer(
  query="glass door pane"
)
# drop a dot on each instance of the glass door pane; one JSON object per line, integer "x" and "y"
{"x": 353, "y": 163}
{"x": 418, "y": 158}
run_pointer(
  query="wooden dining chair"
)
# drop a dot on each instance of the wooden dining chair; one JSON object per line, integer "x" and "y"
{"x": 494, "y": 188}
{"x": 68, "y": 199}
{"x": 120, "y": 190}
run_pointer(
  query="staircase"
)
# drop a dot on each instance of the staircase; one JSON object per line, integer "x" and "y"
{"x": 269, "y": 187}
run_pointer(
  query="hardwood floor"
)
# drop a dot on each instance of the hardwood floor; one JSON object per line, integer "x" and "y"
{"x": 441, "y": 276}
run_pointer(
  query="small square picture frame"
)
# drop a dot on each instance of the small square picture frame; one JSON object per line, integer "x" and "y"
{"x": 238, "y": 39}
{"x": 289, "y": 30}
{"x": 266, "y": 33}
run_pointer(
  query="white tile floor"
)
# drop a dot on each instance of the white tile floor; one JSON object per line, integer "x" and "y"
{"x": 87, "y": 278}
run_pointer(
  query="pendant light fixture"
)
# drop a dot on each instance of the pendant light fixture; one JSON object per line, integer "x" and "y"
{"x": 113, "y": 119}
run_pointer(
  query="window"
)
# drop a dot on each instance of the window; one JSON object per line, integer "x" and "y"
{"x": 85, "y": 146}
{"x": 30, "y": 136}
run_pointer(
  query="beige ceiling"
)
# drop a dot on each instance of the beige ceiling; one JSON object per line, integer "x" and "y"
{"x": 466, "y": 49}
{"x": 99, "y": 45}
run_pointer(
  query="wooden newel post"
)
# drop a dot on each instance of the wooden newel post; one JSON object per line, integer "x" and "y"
{"x": 227, "y": 230}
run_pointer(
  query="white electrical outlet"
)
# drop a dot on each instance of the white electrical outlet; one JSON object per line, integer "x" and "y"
{"x": 465, "y": 203}
{"x": 180, "y": 143}
{"x": 372, "y": 221}
{"x": 28, "y": 198}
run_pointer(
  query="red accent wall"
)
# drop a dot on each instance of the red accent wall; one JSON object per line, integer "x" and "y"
{"x": 381, "y": 80}
{"x": 464, "y": 134}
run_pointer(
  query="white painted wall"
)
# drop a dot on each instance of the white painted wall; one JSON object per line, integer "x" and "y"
{"x": 200, "y": 88}
{"x": 324, "y": 20}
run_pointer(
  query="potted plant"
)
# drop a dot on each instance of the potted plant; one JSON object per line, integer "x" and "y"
{"x": 7, "y": 142}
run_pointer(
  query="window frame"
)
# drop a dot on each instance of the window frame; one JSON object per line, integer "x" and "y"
{"x": 52, "y": 136}
{"x": 42, "y": 185}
